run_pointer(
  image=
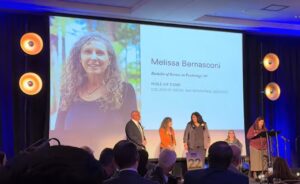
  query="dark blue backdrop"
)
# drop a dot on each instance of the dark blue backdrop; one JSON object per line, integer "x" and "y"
{"x": 24, "y": 119}
{"x": 283, "y": 114}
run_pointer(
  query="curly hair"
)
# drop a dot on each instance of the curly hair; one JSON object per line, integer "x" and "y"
{"x": 199, "y": 120}
{"x": 199, "y": 117}
{"x": 74, "y": 76}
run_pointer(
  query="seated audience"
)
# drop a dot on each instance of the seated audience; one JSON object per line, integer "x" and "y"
{"x": 55, "y": 165}
{"x": 219, "y": 159}
{"x": 106, "y": 160}
{"x": 235, "y": 165}
{"x": 236, "y": 159}
{"x": 282, "y": 172}
{"x": 126, "y": 157}
{"x": 232, "y": 140}
{"x": 161, "y": 172}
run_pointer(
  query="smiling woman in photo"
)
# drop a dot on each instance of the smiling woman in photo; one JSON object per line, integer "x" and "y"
{"x": 93, "y": 94}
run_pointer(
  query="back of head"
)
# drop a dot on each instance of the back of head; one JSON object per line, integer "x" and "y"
{"x": 59, "y": 164}
{"x": 106, "y": 156}
{"x": 88, "y": 149}
{"x": 167, "y": 159}
{"x": 281, "y": 169}
{"x": 135, "y": 115}
{"x": 219, "y": 155}
{"x": 236, "y": 155}
{"x": 126, "y": 154}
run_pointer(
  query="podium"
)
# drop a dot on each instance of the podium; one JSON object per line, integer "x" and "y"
{"x": 268, "y": 135}
{"x": 271, "y": 133}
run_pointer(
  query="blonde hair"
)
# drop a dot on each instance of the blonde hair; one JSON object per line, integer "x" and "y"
{"x": 228, "y": 134}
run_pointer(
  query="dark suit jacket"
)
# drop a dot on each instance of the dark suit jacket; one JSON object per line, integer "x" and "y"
{"x": 134, "y": 135}
{"x": 214, "y": 176}
{"x": 128, "y": 177}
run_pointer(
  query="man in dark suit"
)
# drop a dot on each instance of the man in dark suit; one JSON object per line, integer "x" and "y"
{"x": 126, "y": 157}
{"x": 219, "y": 158}
{"x": 135, "y": 131}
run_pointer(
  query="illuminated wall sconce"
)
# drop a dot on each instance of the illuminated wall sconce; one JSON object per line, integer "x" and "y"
{"x": 272, "y": 91}
{"x": 31, "y": 43}
{"x": 30, "y": 83}
{"x": 271, "y": 62}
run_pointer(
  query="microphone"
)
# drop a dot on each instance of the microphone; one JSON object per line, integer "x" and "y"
{"x": 285, "y": 139}
{"x": 39, "y": 145}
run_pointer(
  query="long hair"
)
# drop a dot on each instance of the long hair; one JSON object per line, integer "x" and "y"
{"x": 74, "y": 75}
{"x": 199, "y": 117}
{"x": 164, "y": 123}
{"x": 199, "y": 120}
{"x": 256, "y": 123}
{"x": 281, "y": 169}
{"x": 228, "y": 135}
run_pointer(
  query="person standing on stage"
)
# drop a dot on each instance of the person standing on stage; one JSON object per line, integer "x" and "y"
{"x": 258, "y": 147}
{"x": 135, "y": 131}
{"x": 167, "y": 134}
{"x": 196, "y": 136}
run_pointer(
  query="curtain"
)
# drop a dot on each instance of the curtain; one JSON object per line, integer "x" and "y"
{"x": 24, "y": 119}
{"x": 284, "y": 114}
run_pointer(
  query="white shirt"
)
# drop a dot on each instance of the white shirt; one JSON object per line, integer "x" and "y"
{"x": 139, "y": 127}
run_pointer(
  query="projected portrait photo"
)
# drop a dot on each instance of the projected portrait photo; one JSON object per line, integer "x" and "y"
{"x": 92, "y": 91}
{"x": 94, "y": 84}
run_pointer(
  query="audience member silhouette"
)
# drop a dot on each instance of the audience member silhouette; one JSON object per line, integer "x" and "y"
{"x": 236, "y": 159}
{"x": 219, "y": 159}
{"x": 161, "y": 172}
{"x": 282, "y": 172}
{"x": 88, "y": 149}
{"x": 56, "y": 165}
{"x": 126, "y": 157}
{"x": 106, "y": 160}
